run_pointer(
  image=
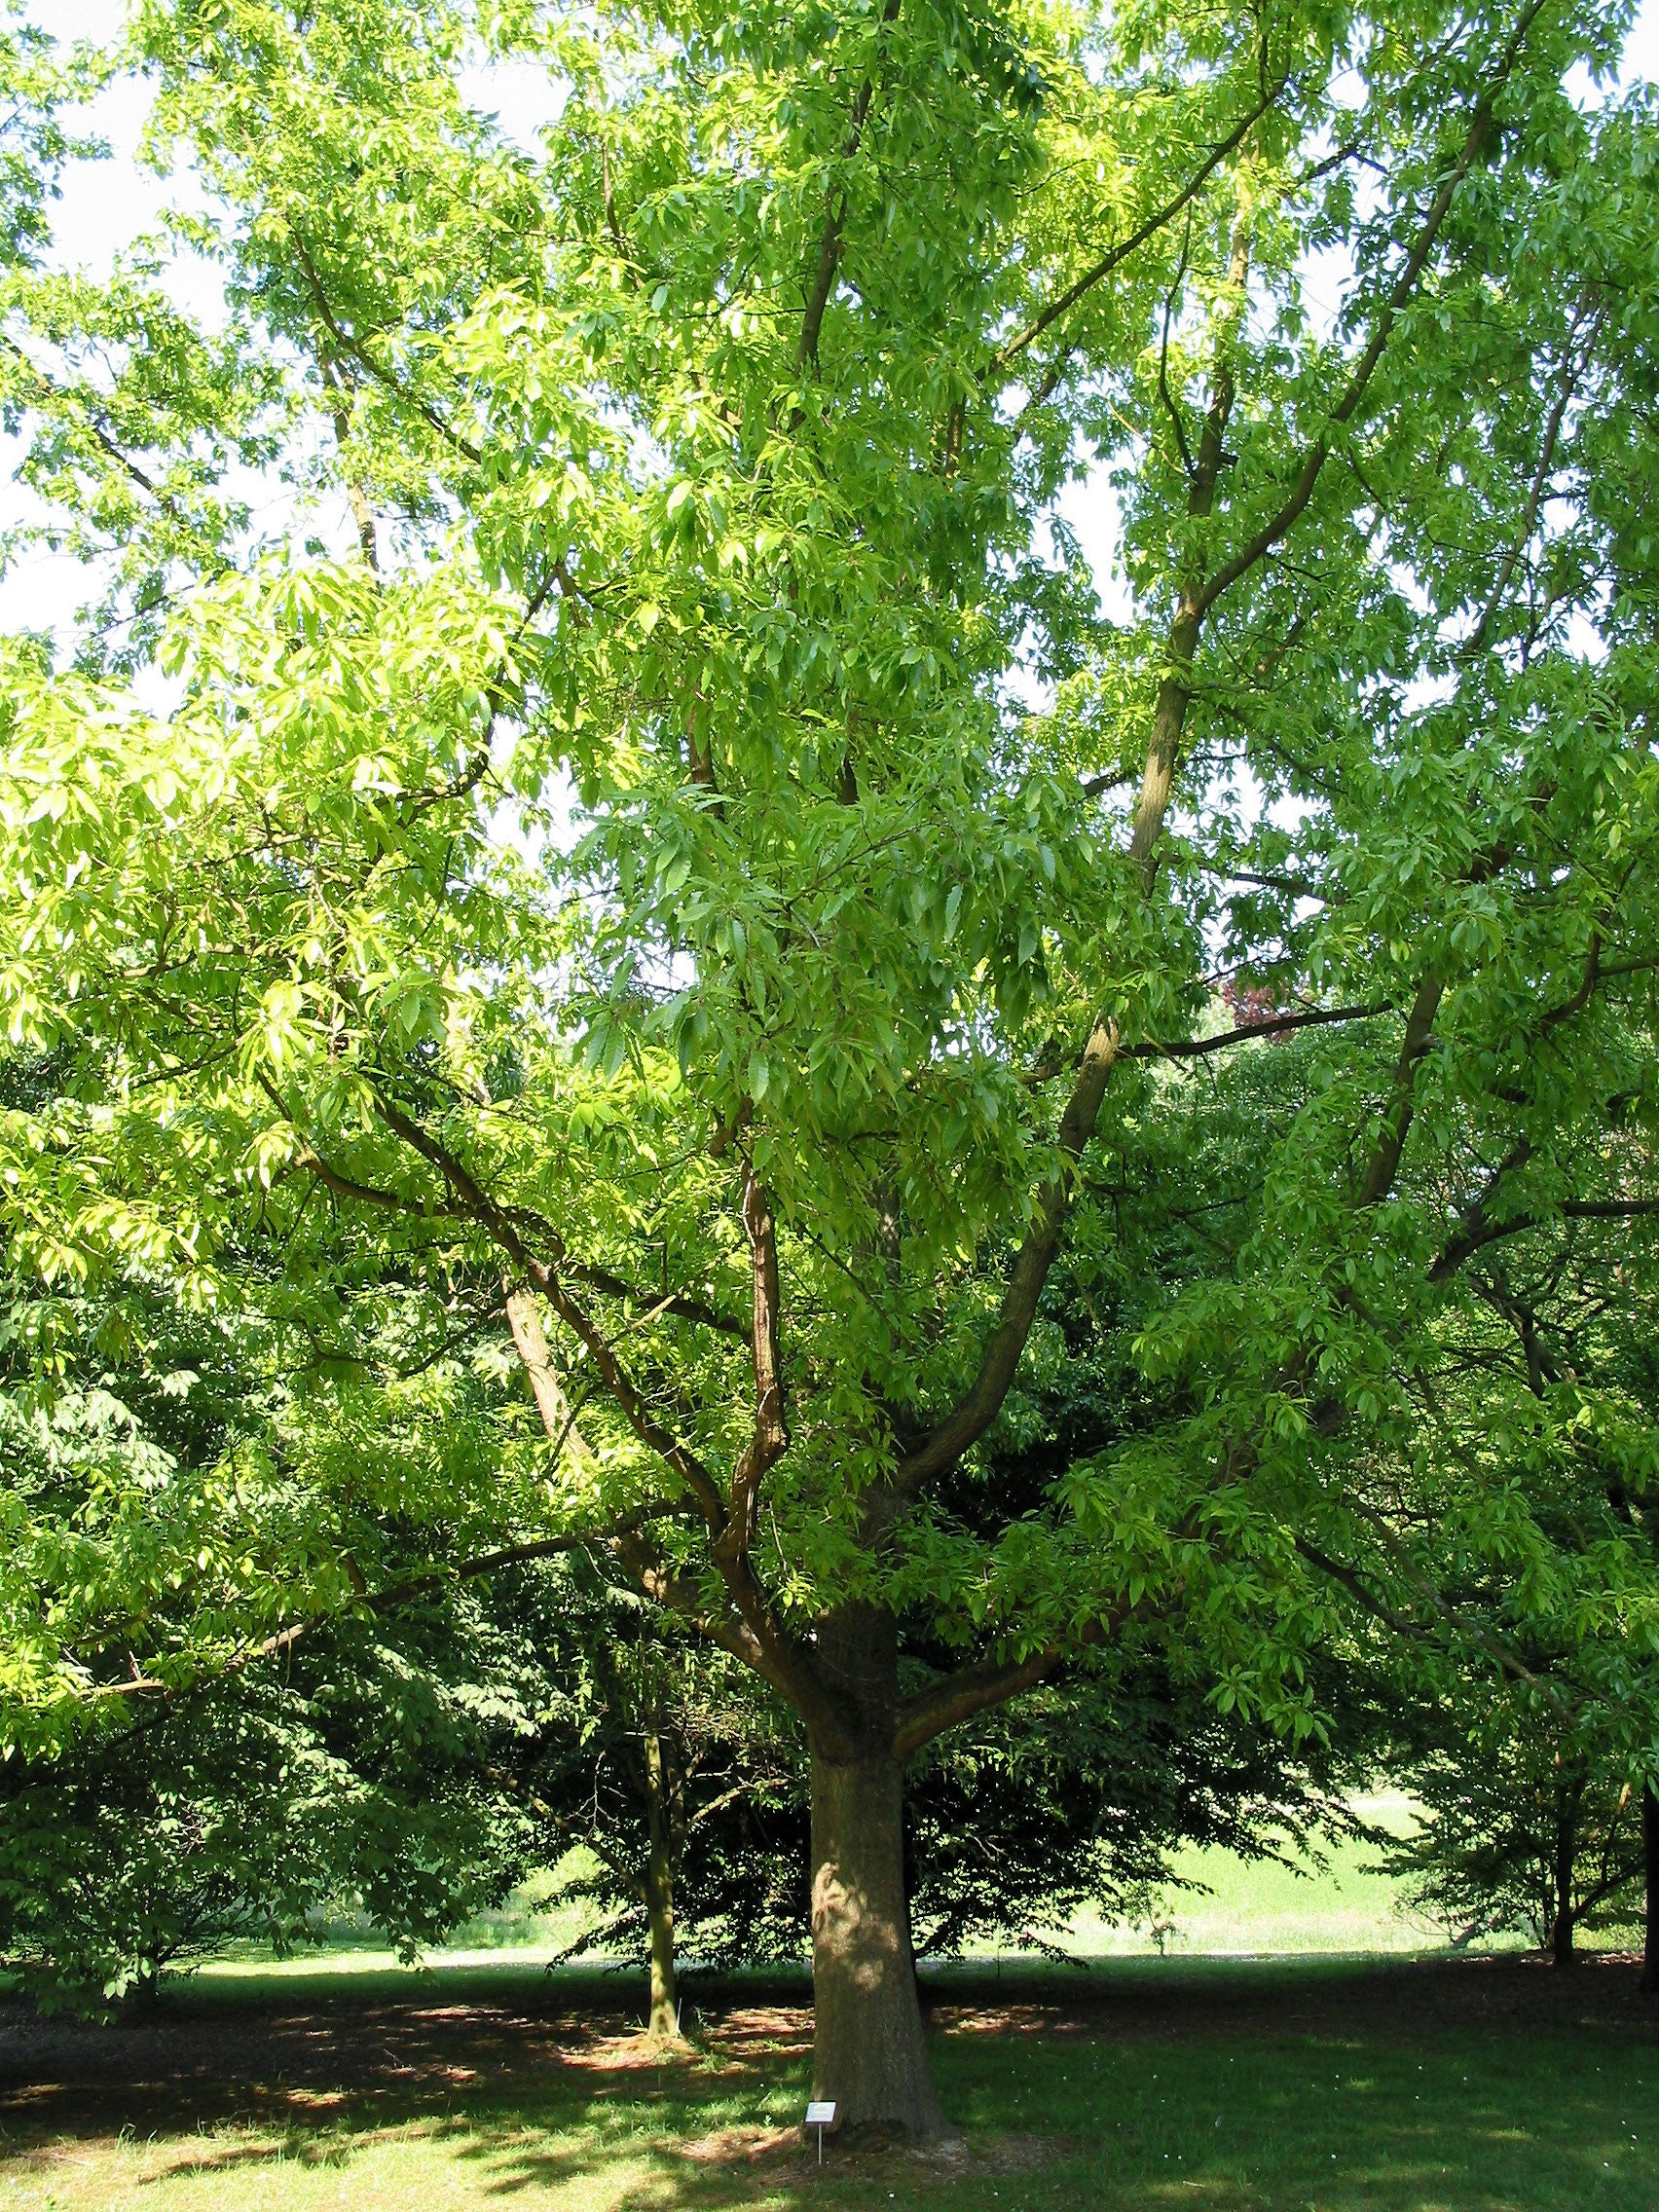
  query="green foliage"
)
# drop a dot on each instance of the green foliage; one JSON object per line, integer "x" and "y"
{"x": 636, "y": 861}
{"x": 1524, "y": 1832}
{"x": 243, "y": 1815}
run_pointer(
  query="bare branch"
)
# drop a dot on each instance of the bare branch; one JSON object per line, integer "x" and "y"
{"x": 1279, "y": 1026}
{"x": 398, "y": 1594}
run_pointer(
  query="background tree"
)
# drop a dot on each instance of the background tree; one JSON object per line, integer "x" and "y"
{"x": 251, "y": 1812}
{"x": 657, "y": 1757}
{"x": 1522, "y": 1829}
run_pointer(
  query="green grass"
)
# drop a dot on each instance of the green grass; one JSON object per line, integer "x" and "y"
{"x": 1263, "y": 1908}
{"x": 1336, "y": 2117}
{"x": 1296, "y": 2083}
{"x": 534, "y": 1922}
{"x": 1220, "y": 1906}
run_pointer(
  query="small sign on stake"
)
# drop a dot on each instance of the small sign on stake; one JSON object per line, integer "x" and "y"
{"x": 821, "y": 2116}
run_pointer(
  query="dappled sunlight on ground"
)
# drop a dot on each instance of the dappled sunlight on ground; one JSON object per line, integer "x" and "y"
{"x": 1480, "y": 2086}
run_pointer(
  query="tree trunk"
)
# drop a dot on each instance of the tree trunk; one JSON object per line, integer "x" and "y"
{"x": 1651, "y": 1860}
{"x": 1566, "y": 1856}
{"x": 869, "y": 2055}
{"x": 663, "y": 2026}
{"x": 142, "y": 1997}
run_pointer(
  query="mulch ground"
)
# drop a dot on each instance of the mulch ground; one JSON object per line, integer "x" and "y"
{"x": 200, "y": 2058}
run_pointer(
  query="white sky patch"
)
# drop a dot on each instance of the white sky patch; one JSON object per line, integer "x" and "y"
{"x": 519, "y": 96}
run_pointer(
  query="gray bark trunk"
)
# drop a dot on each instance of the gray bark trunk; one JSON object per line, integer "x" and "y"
{"x": 869, "y": 2053}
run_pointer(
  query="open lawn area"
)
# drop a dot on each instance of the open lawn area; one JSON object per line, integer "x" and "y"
{"x": 1472, "y": 2085}
{"x": 1219, "y": 1906}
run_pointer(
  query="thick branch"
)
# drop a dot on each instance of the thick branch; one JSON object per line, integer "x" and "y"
{"x": 1391, "y": 1139}
{"x": 629, "y": 1399}
{"x": 770, "y": 1438}
{"x": 752, "y": 1637}
{"x": 474, "y": 1205}
{"x": 1280, "y": 1025}
{"x": 530, "y": 1339}
{"x": 619, "y": 1384}
{"x": 987, "y": 1683}
{"x": 829, "y": 239}
{"x": 363, "y": 1193}
{"x": 970, "y": 1690}
{"x": 766, "y": 1648}
{"x": 1359, "y": 379}
{"x": 1477, "y": 1234}
{"x": 974, "y": 1413}
{"x": 1013, "y": 346}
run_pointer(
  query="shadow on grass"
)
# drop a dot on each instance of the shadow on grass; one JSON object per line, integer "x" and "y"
{"x": 1497, "y": 2088}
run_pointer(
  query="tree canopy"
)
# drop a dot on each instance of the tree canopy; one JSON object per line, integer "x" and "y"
{"x": 599, "y": 885}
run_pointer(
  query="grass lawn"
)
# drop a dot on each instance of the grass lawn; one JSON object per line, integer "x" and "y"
{"x": 1337, "y": 2076}
{"x": 1237, "y": 1907}
{"x": 1220, "y": 1906}
{"x": 1422, "y": 2087}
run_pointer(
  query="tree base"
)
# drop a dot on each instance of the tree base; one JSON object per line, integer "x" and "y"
{"x": 869, "y": 2055}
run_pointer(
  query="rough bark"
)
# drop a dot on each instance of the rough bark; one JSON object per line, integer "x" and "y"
{"x": 663, "y": 2024}
{"x": 869, "y": 2053}
{"x": 1651, "y": 1860}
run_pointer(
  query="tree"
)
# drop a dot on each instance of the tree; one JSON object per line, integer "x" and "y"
{"x": 246, "y": 1812}
{"x": 666, "y": 883}
{"x": 150, "y": 1490}
{"x": 656, "y": 1755}
{"x": 1522, "y": 1829}
{"x": 1512, "y": 1601}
